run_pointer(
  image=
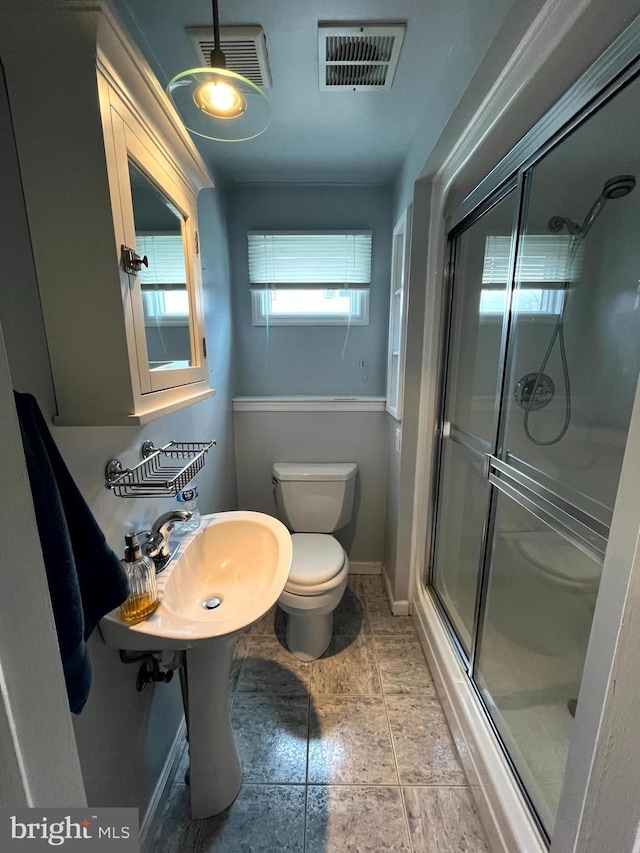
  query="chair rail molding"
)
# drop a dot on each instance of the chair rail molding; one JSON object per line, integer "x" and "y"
{"x": 309, "y": 404}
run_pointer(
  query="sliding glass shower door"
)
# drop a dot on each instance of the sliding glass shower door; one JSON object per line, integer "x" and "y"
{"x": 470, "y": 400}
{"x": 541, "y": 373}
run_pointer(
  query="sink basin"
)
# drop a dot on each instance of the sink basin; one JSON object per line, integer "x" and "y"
{"x": 237, "y": 564}
{"x": 241, "y": 558}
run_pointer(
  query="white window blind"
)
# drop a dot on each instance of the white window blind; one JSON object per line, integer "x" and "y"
{"x": 166, "y": 270}
{"x": 548, "y": 258}
{"x": 310, "y": 260}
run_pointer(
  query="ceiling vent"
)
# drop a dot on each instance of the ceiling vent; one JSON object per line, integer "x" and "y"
{"x": 245, "y": 49}
{"x": 360, "y": 58}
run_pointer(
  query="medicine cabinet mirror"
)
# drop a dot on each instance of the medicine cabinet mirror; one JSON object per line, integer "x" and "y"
{"x": 159, "y": 221}
{"x": 166, "y": 294}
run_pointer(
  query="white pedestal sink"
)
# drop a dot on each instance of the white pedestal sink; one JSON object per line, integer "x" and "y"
{"x": 243, "y": 559}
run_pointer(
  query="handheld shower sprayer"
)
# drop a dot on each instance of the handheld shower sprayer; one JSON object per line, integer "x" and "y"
{"x": 615, "y": 188}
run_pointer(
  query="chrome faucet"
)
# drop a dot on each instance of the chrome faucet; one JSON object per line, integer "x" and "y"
{"x": 157, "y": 545}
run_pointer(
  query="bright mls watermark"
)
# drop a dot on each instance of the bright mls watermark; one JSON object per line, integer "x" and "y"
{"x": 69, "y": 829}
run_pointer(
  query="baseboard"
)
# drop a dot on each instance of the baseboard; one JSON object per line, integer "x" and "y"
{"x": 399, "y": 606}
{"x": 167, "y": 771}
{"x": 364, "y": 568}
{"x": 506, "y": 818}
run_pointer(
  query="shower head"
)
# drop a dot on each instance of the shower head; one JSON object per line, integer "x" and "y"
{"x": 616, "y": 187}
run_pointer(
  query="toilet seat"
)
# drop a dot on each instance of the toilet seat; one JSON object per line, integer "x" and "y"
{"x": 317, "y": 564}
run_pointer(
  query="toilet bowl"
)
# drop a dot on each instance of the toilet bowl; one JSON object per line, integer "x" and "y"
{"x": 317, "y": 581}
{"x": 558, "y": 563}
{"x": 543, "y": 592}
{"x": 314, "y": 499}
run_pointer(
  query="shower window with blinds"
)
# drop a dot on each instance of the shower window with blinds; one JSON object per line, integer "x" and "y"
{"x": 310, "y": 278}
{"x": 545, "y": 264}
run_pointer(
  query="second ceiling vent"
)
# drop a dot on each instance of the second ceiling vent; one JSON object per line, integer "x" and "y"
{"x": 245, "y": 49}
{"x": 358, "y": 58}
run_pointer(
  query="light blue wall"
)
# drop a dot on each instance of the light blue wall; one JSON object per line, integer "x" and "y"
{"x": 123, "y": 736}
{"x": 309, "y": 360}
{"x": 263, "y": 438}
{"x": 453, "y": 96}
{"x": 474, "y": 32}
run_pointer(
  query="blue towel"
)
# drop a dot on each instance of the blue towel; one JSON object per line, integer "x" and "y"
{"x": 86, "y": 579}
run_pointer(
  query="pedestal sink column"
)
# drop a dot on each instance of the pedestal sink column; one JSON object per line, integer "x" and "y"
{"x": 216, "y": 774}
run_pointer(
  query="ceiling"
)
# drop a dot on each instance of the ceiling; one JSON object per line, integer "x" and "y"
{"x": 319, "y": 136}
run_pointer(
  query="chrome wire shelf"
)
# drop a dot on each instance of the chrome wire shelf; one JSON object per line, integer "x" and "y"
{"x": 163, "y": 472}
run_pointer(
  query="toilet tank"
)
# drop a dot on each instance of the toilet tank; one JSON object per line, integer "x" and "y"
{"x": 315, "y": 497}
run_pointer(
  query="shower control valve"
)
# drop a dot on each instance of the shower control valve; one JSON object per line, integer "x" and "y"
{"x": 534, "y": 391}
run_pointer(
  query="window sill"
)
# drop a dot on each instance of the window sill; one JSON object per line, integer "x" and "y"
{"x": 312, "y": 321}
{"x": 539, "y": 319}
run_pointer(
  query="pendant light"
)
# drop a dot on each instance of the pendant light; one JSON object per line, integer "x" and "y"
{"x": 219, "y": 104}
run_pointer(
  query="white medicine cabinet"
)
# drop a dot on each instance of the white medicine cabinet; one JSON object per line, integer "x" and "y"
{"x": 111, "y": 180}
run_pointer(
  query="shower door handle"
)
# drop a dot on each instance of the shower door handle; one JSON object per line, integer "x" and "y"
{"x": 487, "y": 465}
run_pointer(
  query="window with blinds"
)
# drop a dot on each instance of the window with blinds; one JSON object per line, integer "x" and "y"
{"x": 551, "y": 260}
{"x": 165, "y": 253}
{"x": 310, "y": 278}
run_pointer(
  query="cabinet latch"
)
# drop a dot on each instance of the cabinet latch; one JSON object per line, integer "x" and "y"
{"x": 204, "y": 347}
{"x": 132, "y": 262}
{"x": 197, "y": 244}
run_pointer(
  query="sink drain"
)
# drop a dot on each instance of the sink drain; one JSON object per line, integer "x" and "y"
{"x": 211, "y": 603}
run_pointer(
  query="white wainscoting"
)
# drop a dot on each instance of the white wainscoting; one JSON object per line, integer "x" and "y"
{"x": 309, "y": 404}
{"x": 278, "y": 430}
{"x": 364, "y": 567}
{"x": 162, "y": 786}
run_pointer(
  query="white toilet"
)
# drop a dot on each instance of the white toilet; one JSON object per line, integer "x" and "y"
{"x": 314, "y": 499}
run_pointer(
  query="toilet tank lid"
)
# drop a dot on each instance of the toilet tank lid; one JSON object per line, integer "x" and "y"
{"x": 311, "y": 471}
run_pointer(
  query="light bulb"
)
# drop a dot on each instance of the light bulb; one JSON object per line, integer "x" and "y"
{"x": 219, "y": 99}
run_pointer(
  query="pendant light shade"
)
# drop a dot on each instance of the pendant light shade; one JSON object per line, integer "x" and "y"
{"x": 219, "y": 104}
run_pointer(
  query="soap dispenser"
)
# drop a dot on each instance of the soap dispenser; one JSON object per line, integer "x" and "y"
{"x": 141, "y": 574}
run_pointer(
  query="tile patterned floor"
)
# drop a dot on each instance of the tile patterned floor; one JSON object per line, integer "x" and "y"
{"x": 348, "y": 753}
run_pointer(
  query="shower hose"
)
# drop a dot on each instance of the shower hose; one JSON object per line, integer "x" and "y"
{"x": 557, "y": 334}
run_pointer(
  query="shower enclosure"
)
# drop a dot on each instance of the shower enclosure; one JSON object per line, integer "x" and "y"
{"x": 540, "y": 371}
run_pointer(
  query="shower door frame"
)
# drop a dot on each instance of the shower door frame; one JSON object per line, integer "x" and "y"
{"x": 618, "y": 67}
{"x": 518, "y": 184}
{"x": 511, "y": 185}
